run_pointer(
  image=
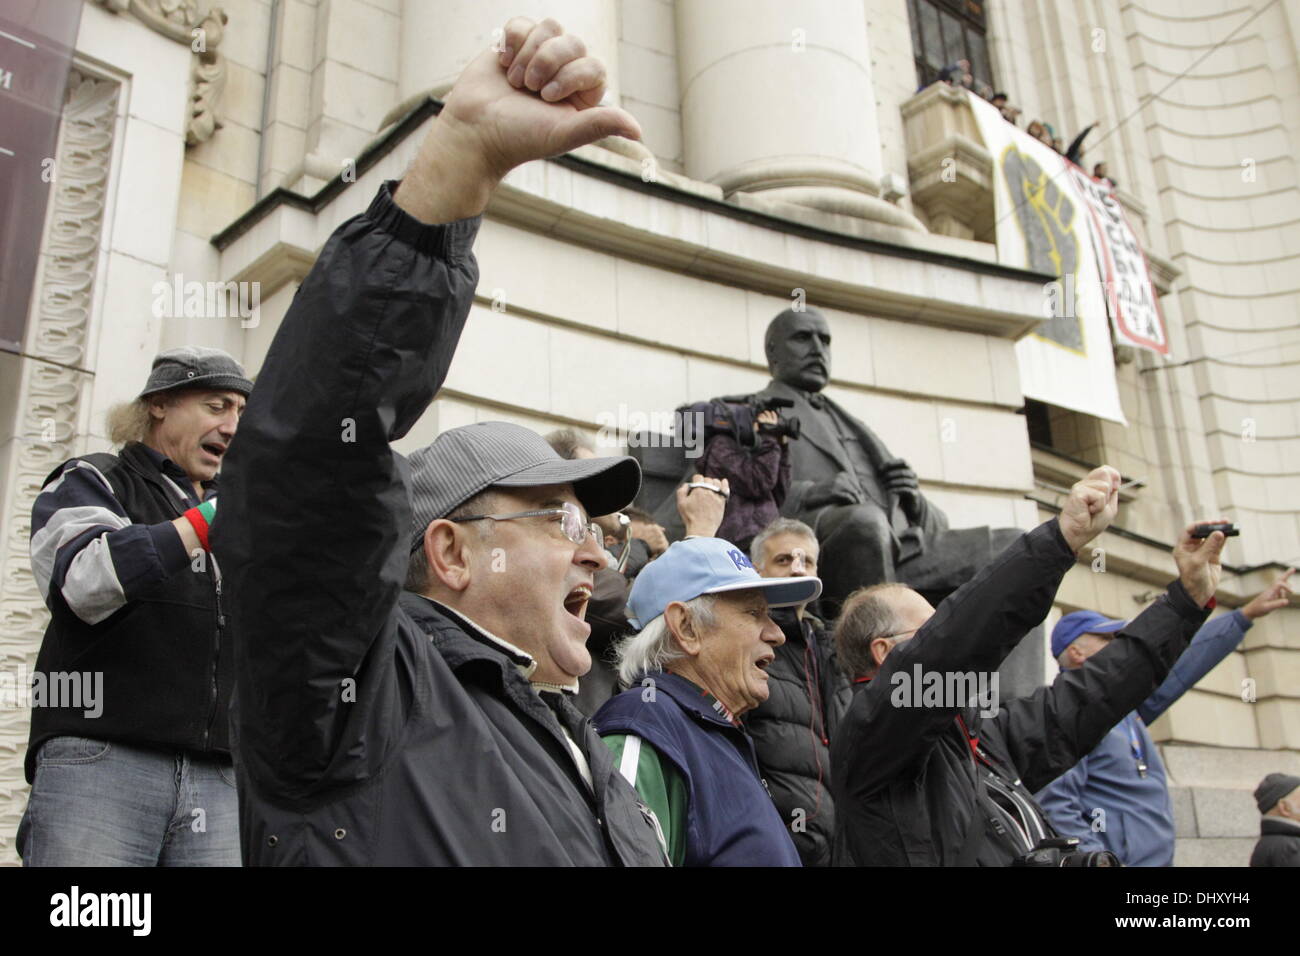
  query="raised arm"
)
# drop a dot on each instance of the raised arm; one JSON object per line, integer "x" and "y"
{"x": 1048, "y": 732}
{"x": 1053, "y": 728}
{"x": 1213, "y": 642}
{"x": 974, "y": 629}
{"x": 314, "y": 520}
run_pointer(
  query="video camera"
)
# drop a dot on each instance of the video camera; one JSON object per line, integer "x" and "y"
{"x": 733, "y": 415}
{"x": 1064, "y": 851}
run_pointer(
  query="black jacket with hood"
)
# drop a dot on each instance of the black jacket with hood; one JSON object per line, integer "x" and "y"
{"x": 369, "y": 726}
{"x": 1279, "y": 843}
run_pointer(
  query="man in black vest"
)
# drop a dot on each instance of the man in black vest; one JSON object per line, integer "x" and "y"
{"x": 129, "y": 754}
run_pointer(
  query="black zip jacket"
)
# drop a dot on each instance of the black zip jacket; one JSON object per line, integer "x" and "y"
{"x": 912, "y": 789}
{"x": 792, "y": 731}
{"x": 369, "y": 730}
{"x": 1279, "y": 843}
{"x": 167, "y": 669}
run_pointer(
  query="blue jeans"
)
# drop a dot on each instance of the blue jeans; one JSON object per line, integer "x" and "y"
{"x": 95, "y": 803}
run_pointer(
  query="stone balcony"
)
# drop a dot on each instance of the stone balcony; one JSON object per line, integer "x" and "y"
{"x": 951, "y": 171}
{"x": 951, "y": 174}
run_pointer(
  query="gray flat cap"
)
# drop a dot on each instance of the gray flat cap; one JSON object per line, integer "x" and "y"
{"x": 193, "y": 366}
{"x": 464, "y": 461}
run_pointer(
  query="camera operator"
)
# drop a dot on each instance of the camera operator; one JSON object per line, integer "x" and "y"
{"x": 759, "y": 471}
{"x": 945, "y": 782}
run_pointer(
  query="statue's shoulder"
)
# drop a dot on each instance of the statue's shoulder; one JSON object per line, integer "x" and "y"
{"x": 778, "y": 389}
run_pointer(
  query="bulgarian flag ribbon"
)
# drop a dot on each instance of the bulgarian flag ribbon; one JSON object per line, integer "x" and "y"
{"x": 200, "y": 518}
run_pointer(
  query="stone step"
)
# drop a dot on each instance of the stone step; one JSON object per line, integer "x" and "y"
{"x": 1225, "y": 851}
{"x": 1214, "y": 812}
{"x": 1236, "y": 768}
{"x": 1216, "y": 821}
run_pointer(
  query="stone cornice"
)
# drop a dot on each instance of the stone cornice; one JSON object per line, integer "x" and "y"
{"x": 184, "y": 22}
{"x": 605, "y": 204}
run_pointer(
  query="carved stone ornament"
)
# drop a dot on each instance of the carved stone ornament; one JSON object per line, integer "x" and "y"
{"x": 182, "y": 21}
{"x": 53, "y": 383}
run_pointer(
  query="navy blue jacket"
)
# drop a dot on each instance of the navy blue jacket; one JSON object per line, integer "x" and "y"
{"x": 1103, "y": 800}
{"x": 732, "y": 819}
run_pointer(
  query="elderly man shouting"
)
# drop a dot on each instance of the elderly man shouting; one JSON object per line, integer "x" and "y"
{"x": 433, "y": 726}
{"x": 697, "y": 664}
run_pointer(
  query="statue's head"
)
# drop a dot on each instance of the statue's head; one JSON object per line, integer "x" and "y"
{"x": 798, "y": 346}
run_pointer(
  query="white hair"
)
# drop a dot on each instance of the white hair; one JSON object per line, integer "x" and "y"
{"x": 653, "y": 648}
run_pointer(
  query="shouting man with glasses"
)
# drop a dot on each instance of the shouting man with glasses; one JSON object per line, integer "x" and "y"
{"x": 378, "y": 724}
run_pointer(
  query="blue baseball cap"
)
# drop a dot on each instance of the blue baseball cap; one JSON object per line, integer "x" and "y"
{"x": 708, "y": 566}
{"x": 1075, "y": 623}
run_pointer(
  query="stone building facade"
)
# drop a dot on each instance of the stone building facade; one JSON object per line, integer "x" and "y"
{"x": 787, "y": 155}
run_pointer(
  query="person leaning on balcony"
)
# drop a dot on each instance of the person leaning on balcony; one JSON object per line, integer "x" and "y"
{"x": 920, "y": 782}
{"x": 1116, "y": 798}
{"x": 119, "y": 551}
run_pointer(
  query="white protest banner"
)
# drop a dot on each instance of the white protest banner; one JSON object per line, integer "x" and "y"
{"x": 1043, "y": 225}
{"x": 1130, "y": 297}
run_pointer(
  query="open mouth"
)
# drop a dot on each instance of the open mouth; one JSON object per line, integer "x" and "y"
{"x": 576, "y": 601}
{"x": 763, "y": 662}
{"x": 213, "y": 449}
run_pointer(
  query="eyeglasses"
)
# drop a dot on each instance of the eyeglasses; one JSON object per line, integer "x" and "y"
{"x": 576, "y": 528}
{"x": 901, "y": 633}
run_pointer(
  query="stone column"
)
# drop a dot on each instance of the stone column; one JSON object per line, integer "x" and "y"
{"x": 777, "y": 101}
{"x": 438, "y": 39}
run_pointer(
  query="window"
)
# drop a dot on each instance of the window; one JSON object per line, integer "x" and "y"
{"x": 945, "y": 31}
{"x": 1064, "y": 432}
{"x": 1039, "y": 420}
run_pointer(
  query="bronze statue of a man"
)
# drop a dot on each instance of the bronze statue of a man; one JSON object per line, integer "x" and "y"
{"x": 866, "y": 506}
